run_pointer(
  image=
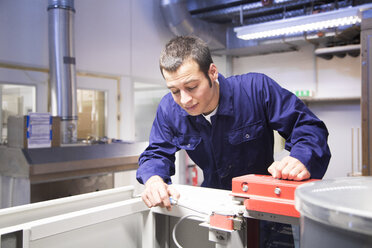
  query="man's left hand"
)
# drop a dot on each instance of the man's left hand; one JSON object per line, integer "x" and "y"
{"x": 289, "y": 168}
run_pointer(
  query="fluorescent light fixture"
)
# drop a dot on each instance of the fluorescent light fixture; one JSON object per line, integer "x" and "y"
{"x": 291, "y": 26}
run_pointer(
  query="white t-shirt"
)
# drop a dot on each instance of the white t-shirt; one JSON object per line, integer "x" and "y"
{"x": 208, "y": 117}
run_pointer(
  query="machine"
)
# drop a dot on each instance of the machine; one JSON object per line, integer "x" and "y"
{"x": 202, "y": 217}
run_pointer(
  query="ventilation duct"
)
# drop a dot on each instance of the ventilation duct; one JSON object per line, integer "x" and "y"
{"x": 62, "y": 66}
{"x": 180, "y": 22}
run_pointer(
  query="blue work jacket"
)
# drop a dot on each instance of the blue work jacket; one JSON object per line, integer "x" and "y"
{"x": 239, "y": 140}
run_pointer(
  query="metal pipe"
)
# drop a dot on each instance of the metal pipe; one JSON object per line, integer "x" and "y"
{"x": 1, "y": 114}
{"x": 180, "y": 22}
{"x": 337, "y": 49}
{"x": 358, "y": 151}
{"x": 352, "y": 151}
{"x": 265, "y": 13}
{"x": 62, "y": 66}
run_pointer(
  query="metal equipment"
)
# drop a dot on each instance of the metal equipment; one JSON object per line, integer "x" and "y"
{"x": 62, "y": 66}
{"x": 273, "y": 198}
{"x": 253, "y": 196}
{"x": 339, "y": 208}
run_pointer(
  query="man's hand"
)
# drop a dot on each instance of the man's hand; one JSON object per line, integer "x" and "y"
{"x": 289, "y": 168}
{"x": 157, "y": 193}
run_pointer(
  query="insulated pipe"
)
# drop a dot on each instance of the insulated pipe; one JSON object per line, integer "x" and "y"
{"x": 257, "y": 9}
{"x": 180, "y": 22}
{"x": 62, "y": 66}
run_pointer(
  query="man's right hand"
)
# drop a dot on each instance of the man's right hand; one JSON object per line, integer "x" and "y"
{"x": 157, "y": 193}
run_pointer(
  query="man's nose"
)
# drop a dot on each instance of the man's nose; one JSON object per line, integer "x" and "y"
{"x": 185, "y": 97}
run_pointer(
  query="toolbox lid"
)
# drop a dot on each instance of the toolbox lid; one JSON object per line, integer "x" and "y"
{"x": 342, "y": 202}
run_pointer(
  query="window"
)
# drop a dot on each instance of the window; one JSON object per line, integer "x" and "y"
{"x": 147, "y": 97}
{"x": 15, "y": 100}
{"x": 91, "y": 113}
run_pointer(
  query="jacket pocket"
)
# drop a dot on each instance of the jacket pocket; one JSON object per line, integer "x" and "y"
{"x": 187, "y": 142}
{"x": 246, "y": 133}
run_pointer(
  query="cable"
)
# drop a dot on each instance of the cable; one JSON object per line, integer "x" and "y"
{"x": 178, "y": 222}
{"x": 193, "y": 209}
{"x": 176, "y": 202}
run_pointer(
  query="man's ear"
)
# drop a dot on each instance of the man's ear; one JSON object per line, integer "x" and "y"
{"x": 213, "y": 72}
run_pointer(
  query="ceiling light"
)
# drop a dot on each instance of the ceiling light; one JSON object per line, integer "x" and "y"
{"x": 297, "y": 25}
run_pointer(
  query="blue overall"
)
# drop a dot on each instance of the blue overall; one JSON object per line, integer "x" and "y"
{"x": 240, "y": 139}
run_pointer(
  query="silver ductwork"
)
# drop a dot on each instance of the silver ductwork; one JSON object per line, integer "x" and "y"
{"x": 180, "y": 22}
{"x": 62, "y": 66}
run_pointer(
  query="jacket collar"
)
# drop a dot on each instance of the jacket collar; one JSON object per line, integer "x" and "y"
{"x": 225, "y": 103}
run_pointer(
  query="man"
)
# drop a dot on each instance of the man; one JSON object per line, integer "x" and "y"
{"x": 226, "y": 126}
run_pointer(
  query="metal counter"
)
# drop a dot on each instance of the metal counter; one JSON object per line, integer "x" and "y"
{"x": 31, "y": 175}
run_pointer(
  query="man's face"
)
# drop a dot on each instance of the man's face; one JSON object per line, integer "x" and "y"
{"x": 191, "y": 89}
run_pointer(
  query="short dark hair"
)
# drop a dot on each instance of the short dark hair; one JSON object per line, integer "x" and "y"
{"x": 181, "y": 48}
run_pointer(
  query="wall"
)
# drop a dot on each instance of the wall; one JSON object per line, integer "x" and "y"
{"x": 338, "y": 77}
{"x": 120, "y": 37}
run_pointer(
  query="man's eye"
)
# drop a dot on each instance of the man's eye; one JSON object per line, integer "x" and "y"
{"x": 175, "y": 92}
{"x": 192, "y": 88}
